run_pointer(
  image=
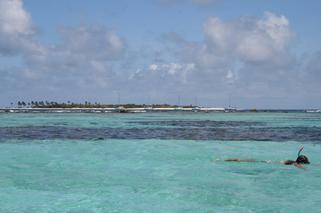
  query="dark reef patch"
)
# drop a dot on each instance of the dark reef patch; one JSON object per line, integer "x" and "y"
{"x": 197, "y": 123}
{"x": 197, "y": 133}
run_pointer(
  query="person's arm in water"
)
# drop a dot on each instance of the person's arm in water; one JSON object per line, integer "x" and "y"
{"x": 292, "y": 162}
{"x": 286, "y": 162}
{"x": 240, "y": 160}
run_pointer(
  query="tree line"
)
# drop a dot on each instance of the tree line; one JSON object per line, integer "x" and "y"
{"x": 87, "y": 104}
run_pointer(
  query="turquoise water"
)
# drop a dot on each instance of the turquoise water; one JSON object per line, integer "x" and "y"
{"x": 59, "y": 174}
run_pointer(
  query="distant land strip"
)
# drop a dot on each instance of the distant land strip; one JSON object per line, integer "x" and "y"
{"x": 88, "y": 107}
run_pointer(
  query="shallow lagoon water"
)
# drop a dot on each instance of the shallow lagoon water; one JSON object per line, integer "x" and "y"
{"x": 153, "y": 175}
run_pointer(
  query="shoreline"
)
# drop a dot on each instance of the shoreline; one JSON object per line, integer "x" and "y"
{"x": 149, "y": 110}
{"x": 112, "y": 110}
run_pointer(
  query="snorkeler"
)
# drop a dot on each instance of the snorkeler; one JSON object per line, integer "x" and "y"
{"x": 301, "y": 159}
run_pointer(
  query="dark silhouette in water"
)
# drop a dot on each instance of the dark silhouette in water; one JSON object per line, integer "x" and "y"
{"x": 299, "y": 162}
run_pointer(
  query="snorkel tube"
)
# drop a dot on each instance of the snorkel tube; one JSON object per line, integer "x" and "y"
{"x": 300, "y": 150}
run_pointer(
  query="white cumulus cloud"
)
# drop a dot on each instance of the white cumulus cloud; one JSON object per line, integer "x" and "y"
{"x": 14, "y": 19}
{"x": 16, "y": 31}
{"x": 248, "y": 39}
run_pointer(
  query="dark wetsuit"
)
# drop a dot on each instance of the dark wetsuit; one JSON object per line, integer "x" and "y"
{"x": 289, "y": 162}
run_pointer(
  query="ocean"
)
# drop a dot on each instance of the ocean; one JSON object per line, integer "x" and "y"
{"x": 158, "y": 162}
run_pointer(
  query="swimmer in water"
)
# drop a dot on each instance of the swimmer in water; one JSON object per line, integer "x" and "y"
{"x": 299, "y": 162}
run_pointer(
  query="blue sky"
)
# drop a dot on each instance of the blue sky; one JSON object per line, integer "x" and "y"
{"x": 258, "y": 54}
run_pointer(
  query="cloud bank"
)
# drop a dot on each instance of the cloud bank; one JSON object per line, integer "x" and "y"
{"x": 248, "y": 59}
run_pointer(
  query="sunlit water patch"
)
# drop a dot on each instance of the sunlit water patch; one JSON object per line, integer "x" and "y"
{"x": 155, "y": 176}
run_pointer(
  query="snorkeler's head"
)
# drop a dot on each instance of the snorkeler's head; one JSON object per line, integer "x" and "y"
{"x": 302, "y": 159}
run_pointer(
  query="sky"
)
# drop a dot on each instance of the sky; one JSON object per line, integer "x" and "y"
{"x": 242, "y": 53}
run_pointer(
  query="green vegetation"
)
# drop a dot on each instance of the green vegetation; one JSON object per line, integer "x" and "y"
{"x": 52, "y": 104}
